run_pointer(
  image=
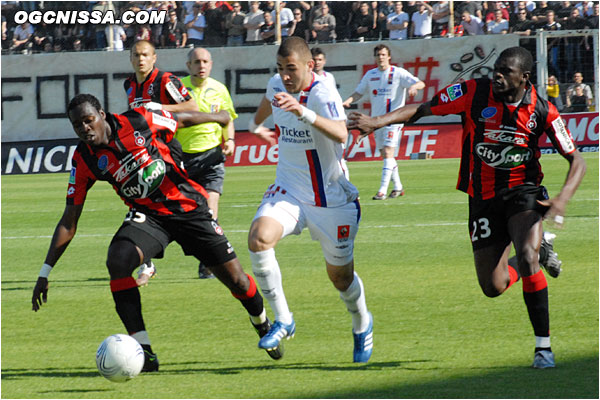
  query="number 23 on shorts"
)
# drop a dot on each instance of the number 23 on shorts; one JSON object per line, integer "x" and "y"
{"x": 481, "y": 229}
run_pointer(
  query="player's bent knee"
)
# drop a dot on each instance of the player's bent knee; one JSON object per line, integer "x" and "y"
{"x": 123, "y": 257}
{"x": 260, "y": 239}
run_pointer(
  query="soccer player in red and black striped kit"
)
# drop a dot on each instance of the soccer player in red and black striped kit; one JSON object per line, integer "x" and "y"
{"x": 131, "y": 152}
{"x": 503, "y": 119}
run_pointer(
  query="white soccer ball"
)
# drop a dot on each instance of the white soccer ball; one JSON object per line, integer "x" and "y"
{"x": 120, "y": 358}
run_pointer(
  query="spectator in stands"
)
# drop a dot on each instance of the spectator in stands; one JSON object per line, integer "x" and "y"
{"x": 267, "y": 30}
{"x": 299, "y": 25}
{"x": 538, "y": 16}
{"x": 397, "y": 23}
{"x": 103, "y": 7}
{"x": 253, "y": 21}
{"x": 522, "y": 26}
{"x": 286, "y": 16}
{"x": 174, "y": 33}
{"x": 553, "y": 44}
{"x": 214, "y": 32}
{"x": 564, "y": 11}
{"x": 143, "y": 33}
{"x": 441, "y": 16}
{"x": 116, "y": 40}
{"x": 323, "y": 27}
{"x": 195, "y": 23}
{"x": 363, "y": 25}
{"x": 382, "y": 9}
{"x": 421, "y": 21}
{"x": 520, "y": 5}
{"x": 77, "y": 44}
{"x": 342, "y": 11}
{"x": 473, "y": 7}
{"x": 234, "y": 23}
{"x": 499, "y": 25}
{"x": 492, "y": 7}
{"x": 553, "y": 91}
{"x": 22, "y": 37}
{"x": 58, "y": 46}
{"x": 41, "y": 35}
{"x": 5, "y": 41}
{"x": 315, "y": 12}
{"x": 471, "y": 24}
{"x": 574, "y": 44}
{"x": 578, "y": 81}
{"x": 578, "y": 101}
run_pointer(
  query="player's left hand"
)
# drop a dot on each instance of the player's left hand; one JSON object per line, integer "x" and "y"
{"x": 556, "y": 210}
{"x": 40, "y": 293}
{"x": 412, "y": 92}
{"x": 152, "y": 106}
{"x": 288, "y": 103}
{"x": 228, "y": 147}
{"x": 362, "y": 122}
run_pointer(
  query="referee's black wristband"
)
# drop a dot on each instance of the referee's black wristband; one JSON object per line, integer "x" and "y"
{"x": 232, "y": 139}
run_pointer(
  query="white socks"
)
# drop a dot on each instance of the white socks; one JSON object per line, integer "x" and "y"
{"x": 390, "y": 171}
{"x": 354, "y": 298}
{"x": 141, "y": 337}
{"x": 543, "y": 342}
{"x": 267, "y": 274}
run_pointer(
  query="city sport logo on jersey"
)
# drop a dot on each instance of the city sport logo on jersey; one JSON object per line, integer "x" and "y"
{"x": 145, "y": 181}
{"x": 501, "y": 156}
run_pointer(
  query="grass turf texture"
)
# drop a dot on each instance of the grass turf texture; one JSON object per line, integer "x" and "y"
{"x": 436, "y": 335}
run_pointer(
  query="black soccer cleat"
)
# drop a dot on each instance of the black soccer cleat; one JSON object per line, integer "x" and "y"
{"x": 262, "y": 330}
{"x": 204, "y": 272}
{"x": 150, "y": 362}
{"x": 548, "y": 258}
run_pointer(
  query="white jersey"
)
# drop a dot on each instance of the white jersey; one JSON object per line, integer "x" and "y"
{"x": 309, "y": 166}
{"x": 387, "y": 89}
{"x": 329, "y": 79}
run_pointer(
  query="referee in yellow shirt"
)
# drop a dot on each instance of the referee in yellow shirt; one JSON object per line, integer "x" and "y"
{"x": 203, "y": 156}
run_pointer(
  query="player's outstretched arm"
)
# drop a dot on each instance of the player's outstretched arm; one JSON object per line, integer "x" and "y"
{"x": 558, "y": 204}
{"x": 409, "y": 113}
{"x": 189, "y": 118}
{"x": 255, "y": 126}
{"x": 63, "y": 234}
{"x": 189, "y": 105}
{"x": 354, "y": 97}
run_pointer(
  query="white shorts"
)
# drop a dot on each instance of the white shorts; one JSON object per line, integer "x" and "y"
{"x": 334, "y": 227}
{"x": 388, "y": 136}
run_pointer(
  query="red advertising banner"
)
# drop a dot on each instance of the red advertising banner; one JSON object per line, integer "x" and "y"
{"x": 435, "y": 141}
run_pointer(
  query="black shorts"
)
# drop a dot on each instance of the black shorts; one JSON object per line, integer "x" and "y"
{"x": 207, "y": 168}
{"x": 488, "y": 219}
{"x": 196, "y": 232}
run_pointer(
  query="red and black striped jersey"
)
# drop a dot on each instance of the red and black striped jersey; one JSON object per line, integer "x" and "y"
{"x": 500, "y": 141}
{"x": 159, "y": 87}
{"x": 139, "y": 164}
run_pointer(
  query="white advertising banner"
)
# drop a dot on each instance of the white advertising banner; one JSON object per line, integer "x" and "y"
{"x": 36, "y": 89}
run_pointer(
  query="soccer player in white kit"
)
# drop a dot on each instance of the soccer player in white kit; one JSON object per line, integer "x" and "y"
{"x": 310, "y": 190}
{"x": 387, "y": 86}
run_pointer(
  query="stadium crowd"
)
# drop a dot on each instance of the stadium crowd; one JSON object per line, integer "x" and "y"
{"x": 237, "y": 23}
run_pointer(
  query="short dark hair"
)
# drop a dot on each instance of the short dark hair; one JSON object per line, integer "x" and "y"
{"x": 294, "y": 44}
{"x": 81, "y": 99}
{"x": 317, "y": 51}
{"x": 521, "y": 55}
{"x": 380, "y": 47}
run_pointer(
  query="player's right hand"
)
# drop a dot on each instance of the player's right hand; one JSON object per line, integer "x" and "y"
{"x": 40, "y": 293}
{"x": 267, "y": 135}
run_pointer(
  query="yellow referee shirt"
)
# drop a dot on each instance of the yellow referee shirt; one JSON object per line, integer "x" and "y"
{"x": 213, "y": 96}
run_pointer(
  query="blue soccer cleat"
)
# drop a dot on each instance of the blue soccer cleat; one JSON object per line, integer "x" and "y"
{"x": 277, "y": 332}
{"x": 543, "y": 359}
{"x": 363, "y": 343}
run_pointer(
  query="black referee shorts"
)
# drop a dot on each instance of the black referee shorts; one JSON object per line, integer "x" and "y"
{"x": 207, "y": 168}
{"x": 488, "y": 219}
{"x": 196, "y": 232}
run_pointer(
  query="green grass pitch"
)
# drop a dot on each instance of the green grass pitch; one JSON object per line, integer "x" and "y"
{"x": 436, "y": 335}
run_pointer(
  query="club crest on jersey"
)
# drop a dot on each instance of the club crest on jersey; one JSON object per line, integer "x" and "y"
{"x": 71, "y": 191}
{"x": 500, "y": 156}
{"x": 139, "y": 139}
{"x": 150, "y": 90}
{"x": 217, "y": 228}
{"x": 454, "y": 91}
{"x": 532, "y": 124}
{"x": 103, "y": 162}
{"x": 343, "y": 233}
{"x": 444, "y": 98}
{"x": 147, "y": 179}
{"x": 489, "y": 112}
